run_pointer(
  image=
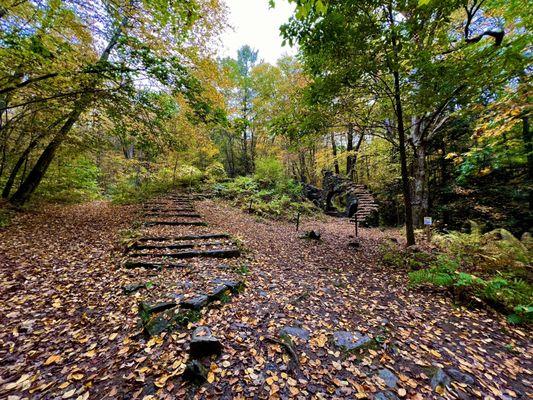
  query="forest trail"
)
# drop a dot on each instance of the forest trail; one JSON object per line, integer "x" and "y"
{"x": 70, "y": 330}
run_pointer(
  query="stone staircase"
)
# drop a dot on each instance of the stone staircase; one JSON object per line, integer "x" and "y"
{"x": 339, "y": 186}
{"x": 367, "y": 205}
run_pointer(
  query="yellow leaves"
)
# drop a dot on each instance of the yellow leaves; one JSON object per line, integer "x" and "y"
{"x": 123, "y": 350}
{"x": 113, "y": 336}
{"x": 320, "y": 341}
{"x": 294, "y": 391}
{"x": 337, "y": 365}
{"x": 76, "y": 375}
{"x": 251, "y": 373}
{"x": 292, "y": 381}
{"x": 64, "y": 385}
{"x": 84, "y": 396}
{"x": 23, "y": 382}
{"x": 161, "y": 381}
{"x": 54, "y": 358}
{"x": 210, "y": 377}
{"x": 56, "y": 303}
{"x": 91, "y": 353}
{"x": 69, "y": 394}
{"x": 435, "y": 353}
{"x": 271, "y": 379}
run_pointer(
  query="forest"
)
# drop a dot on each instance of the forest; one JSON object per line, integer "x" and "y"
{"x": 352, "y": 221}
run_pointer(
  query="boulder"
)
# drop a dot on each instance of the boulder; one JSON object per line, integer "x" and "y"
{"x": 461, "y": 377}
{"x": 440, "y": 378}
{"x": 388, "y": 395}
{"x": 388, "y": 377}
{"x": 157, "y": 325}
{"x": 204, "y": 344}
{"x": 128, "y": 289}
{"x": 311, "y": 235}
{"x": 146, "y": 310}
{"x": 296, "y": 332}
{"x": 350, "y": 340}
{"x": 233, "y": 285}
{"x": 195, "y": 303}
{"x": 218, "y": 292}
{"x": 195, "y": 372}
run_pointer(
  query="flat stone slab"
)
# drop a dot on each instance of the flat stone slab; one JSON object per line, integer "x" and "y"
{"x": 350, "y": 340}
{"x": 218, "y": 292}
{"x": 203, "y": 343}
{"x": 233, "y": 285}
{"x": 195, "y": 303}
{"x": 156, "y": 308}
{"x": 296, "y": 332}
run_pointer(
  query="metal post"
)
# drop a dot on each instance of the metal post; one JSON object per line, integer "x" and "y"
{"x": 250, "y": 205}
{"x": 356, "y": 225}
{"x": 297, "y": 220}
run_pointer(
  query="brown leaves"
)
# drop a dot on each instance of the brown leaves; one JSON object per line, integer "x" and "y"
{"x": 86, "y": 342}
{"x": 54, "y": 358}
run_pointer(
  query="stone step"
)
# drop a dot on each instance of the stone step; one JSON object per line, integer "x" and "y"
{"x": 186, "y": 237}
{"x": 176, "y": 223}
{"x": 216, "y": 253}
{"x": 168, "y": 215}
{"x": 131, "y": 264}
{"x": 174, "y": 246}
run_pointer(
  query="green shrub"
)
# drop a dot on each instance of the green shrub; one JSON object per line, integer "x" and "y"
{"x": 282, "y": 199}
{"x": 215, "y": 172}
{"x": 70, "y": 180}
{"x": 136, "y": 183}
{"x": 513, "y": 296}
{"x": 269, "y": 170}
{"x": 5, "y": 216}
{"x": 493, "y": 251}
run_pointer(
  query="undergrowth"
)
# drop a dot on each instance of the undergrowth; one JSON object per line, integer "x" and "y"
{"x": 493, "y": 267}
{"x": 279, "y": 200}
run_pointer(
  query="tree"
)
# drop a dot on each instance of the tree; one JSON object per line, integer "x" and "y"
{"x": 129, "y": 42}
{"x": 405, "y": 55}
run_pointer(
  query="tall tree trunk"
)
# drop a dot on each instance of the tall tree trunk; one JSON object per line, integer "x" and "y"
{"x": 353, "y": 175}
{"x": 35, "y": 176}
{"x": 16, "y": 168}
{"x": 349, "y": 149}
{"x": 303, "y": 167}
{"x": 420, "y": 190}
{"x": 528, "y": 142}
{"x": 409, "y": 230}
{"x": 334, "y": 152}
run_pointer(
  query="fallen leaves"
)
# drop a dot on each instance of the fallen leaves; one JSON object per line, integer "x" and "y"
{"x": 69, "y": 311}
{"x": 54, "y": 358}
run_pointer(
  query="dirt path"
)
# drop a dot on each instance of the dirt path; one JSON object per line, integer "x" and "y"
{"x": 327, "y": 286}
{"x": 69, "y": 331}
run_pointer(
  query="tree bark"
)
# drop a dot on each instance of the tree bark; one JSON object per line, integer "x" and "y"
{"x": 16, "y": 168}
{"x": 409, "y": 230}
{"x": 349, "y": 149}
{"x": 420, "y": 190}
{"x": 353, "y": 176}
{"x": 528, "y": 142}
{"x": 334, "y": 152}
{"x": 35, "y": 176}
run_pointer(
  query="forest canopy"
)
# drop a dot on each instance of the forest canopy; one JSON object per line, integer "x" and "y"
{"x": 425, "y": 103}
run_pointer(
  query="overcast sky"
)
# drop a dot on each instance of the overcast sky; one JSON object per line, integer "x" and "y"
{"x": 255, "y": 24}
